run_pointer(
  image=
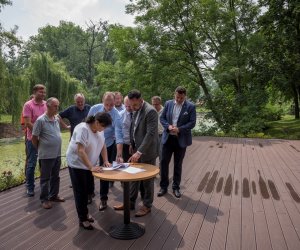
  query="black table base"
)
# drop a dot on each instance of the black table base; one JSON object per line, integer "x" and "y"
{"x": 127, "y": 231}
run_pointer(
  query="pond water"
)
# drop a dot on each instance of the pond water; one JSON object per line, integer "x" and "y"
{"x": 12, "y": 153}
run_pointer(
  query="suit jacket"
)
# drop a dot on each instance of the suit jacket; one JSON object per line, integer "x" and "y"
{"x": 186, "y": 122}
{"x": 146, "y": 132}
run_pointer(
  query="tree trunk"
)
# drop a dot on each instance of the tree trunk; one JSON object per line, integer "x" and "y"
{"x": 210, "y": 103}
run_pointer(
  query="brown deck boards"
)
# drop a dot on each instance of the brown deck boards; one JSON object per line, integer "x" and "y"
{"x": 238, "y": 193}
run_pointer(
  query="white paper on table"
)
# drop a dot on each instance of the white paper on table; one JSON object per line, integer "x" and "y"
{"x": 116, "y": 166}
{"x": 133, "y": 170}
{"x": 107, "y": 168}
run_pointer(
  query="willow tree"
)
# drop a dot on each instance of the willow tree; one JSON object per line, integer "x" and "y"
{"x": 43, "y": 69}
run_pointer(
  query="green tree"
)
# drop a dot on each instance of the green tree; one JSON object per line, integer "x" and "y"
{"x": 280, "y": 24}
{"x": 199, "y": 40}
{"x": 64, "y": 43}
{"x": 43, "y": 69}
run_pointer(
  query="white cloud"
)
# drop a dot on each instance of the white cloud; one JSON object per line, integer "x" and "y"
{"x": 30, "y": 15}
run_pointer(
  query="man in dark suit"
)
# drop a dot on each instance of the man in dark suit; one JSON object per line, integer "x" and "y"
{"x": 144, "y": 139}
{"x": 178, "y": 119}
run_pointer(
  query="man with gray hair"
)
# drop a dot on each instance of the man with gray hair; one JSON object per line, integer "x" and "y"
{"x": 47, "y": 139}
{"x": 75, "y": 114}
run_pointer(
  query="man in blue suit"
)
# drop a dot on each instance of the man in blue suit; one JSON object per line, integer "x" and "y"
{"x": 178, "y": 119}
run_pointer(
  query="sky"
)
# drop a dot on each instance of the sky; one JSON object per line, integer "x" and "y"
{"x": 30, "y": 15}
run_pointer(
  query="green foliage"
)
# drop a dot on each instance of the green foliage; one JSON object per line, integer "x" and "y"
{"x": 4, "y": 2}
{"x": 5, "y": 118}
{"x": 43, "y": 69}
{"x": 280, "y": 27}
{"x": 4, "y": 84}
{"x": 272, "y": 112}
{"x": 12, "y": 161}
{"x": 286, "y": 128}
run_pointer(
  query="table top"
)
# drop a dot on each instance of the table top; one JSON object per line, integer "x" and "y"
{"x": 118, "y": 175}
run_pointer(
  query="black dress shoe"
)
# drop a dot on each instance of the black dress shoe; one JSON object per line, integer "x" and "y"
{"x": 177, "y": 193}
{"x": 86, "y": 225}
{"x": 161, "y": 192}
{"x": 103, "y": 205}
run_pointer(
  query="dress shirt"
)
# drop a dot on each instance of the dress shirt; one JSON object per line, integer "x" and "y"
{"x": 176, "y": 112}
{"x": 126, "y": 123}
{"x": 114, "y": 132}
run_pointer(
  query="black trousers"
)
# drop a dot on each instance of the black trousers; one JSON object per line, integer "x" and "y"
{"x": 104, "y": 185}
{"x": 171, "y": 147}
{"x": 80, "y": 181}
{"x": 126, "y": 154}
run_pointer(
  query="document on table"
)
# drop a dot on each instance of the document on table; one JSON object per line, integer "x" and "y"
{"x": 133, "y": 170}
{"x": 116, "y": 166}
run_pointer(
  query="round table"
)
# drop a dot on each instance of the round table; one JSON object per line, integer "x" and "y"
{"x": 128, "y": 230}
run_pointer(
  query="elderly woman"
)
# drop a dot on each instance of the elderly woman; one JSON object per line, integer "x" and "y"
{"x": 86, "y": 144}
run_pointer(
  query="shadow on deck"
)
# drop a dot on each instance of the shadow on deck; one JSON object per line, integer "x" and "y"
{"x": 237, "y": 194}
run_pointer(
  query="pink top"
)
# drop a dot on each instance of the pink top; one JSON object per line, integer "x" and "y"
{"x": 33, "y": 110}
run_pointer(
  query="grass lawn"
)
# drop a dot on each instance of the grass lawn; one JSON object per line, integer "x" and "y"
{"x": 5, "y": 118}
{"x": 12, "y": 154}
{"x": 286, "y": 128}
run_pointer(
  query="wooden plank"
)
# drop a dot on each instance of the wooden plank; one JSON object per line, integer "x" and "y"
{"x": 262, "y": 237}
{"x": 275, "y": 230}
{"x": 235, "y": 223}
{"x": 220, "y": 231}
{"x": 248, "y": 239}
{"x": 194, "y": 227}
{"x": 213, "y": 213}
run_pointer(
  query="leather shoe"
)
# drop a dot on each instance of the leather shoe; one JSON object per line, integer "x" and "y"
{"x": 143, "y": 211}
{"x": 47, "y": 205}
{"x": 57, "y": 199}
{"x": 103, "y": 205}
{"x": 177, "y": 193}
{"x": 121, "y": 207}
{"x": 161, "y": 192}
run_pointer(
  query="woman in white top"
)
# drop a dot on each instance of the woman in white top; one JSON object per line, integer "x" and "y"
{"x": 86, "y": 144}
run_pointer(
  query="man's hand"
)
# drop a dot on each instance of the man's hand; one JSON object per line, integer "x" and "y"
{"x": 97, "y": 169}
{"x": 119, "y": 159}
{"x": 107, "y": 164}
{"x": 173, "y": 129}
{"x": 135, "y": 157}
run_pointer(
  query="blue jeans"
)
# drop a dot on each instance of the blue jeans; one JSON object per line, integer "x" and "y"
{"x": 30, "y": 166}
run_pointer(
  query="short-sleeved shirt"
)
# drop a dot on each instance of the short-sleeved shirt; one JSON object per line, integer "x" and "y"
{"x": 75, "y": 115}
{"x": 112, "y": 133}
{"x": 92, "y": 142}
{"x": 33, "y": 110}
{"x": 48, "y": 132}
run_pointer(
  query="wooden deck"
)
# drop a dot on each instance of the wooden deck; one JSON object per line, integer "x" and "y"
{"x": 237, "y": 194}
